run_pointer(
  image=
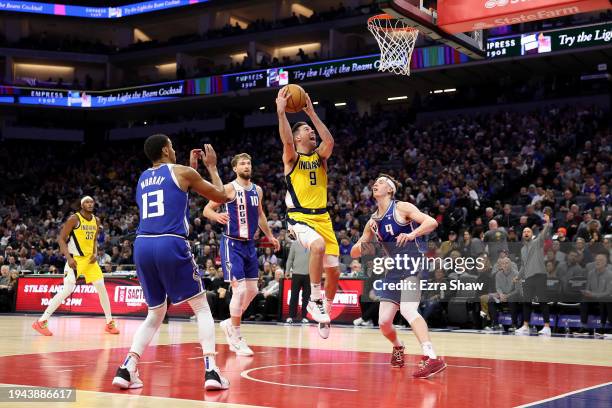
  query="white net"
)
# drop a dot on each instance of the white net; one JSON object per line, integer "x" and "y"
{"x": 396, "y": 41}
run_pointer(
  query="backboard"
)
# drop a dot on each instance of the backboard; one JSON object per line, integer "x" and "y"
{"x": 415, "y": 14}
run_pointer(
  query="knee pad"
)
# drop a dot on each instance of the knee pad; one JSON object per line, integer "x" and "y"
{"x": 198, "y": 304}
{"x": 156, "y": 316}
{"x": 239, "y": 293}
{"x": 410, "y": 310}
{"x": 251, "y": 292}
{"x": 331, "y": 261}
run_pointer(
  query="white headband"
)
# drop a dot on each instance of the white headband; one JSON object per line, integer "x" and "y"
{"x": 390, "y": 183}
{"x": 86, "y": 198}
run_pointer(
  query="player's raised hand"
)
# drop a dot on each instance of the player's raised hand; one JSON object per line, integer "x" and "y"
{"x": 403, "y": 239}
{"x": 222, "y": 218}
{"x": 194, "y": 155}
{"x": 309, "y": 108}
{"x": 281, "y": 100}
{"x": 209, "y": 157}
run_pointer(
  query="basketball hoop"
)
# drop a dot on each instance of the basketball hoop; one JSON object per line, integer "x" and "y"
{"x": 396, "y": 41}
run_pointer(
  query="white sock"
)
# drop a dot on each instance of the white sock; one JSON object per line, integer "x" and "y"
{"x": 206, "y": 327}
{"x": 315, "y": 291}
{"x": 428, "y": 350}
{"x": 209, "y": 362}
{"x": 57, "y": 300}
{"x": 145, "y": 332}
{"x": 104, "y": 302}
{"x": 130, "y": 362}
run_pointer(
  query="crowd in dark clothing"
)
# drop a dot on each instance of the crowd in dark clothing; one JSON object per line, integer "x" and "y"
{"x": 465, "y": 172}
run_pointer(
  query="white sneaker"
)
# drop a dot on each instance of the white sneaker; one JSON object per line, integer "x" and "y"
{"x": 324, "y": 329}
{"x": 241, "y": 348}
{"x": 523, "y": 331}
{"x": 357, "y": 321}
{"x": 607, "y": 336}
{"x": 126, "y": 379}
{"x": 317, "y": 311}
{"x": 545, "y": 331}
{"x": 236, "y": 344}
{"x": 305, "y": 321}
{"x": 289, "y": 320}
{"x": 213, "y": 380}
{"x": 368, "y": 323}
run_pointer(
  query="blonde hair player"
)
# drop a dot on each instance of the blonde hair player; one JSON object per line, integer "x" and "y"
{"x": 242, "y": 216}
{"x": 305, "y": 167}
{"x": 78, "y": 241}
{"x": 399, "y": 227}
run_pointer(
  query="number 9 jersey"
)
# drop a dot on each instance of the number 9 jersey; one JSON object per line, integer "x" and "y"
{"x": 307, "y": 183}
{"x": 164, "y": 207}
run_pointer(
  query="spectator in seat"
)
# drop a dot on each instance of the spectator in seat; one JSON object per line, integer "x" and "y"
{"x": 268, "y": 256}
{"x": 598, "y": 291}
{"x": 5, "y": 286}
{"x": 497, "y": 240}
{"x": 266, "y": 301}
{"x": 570, "y": 268}
{"x": 506, "y": 219}
{"x": 103, "y": 257}
{"x": 450, "y": 244}
{"x": 567, "y": 201}
{"x": 431, "y": 306}
{"x": 471, "y": 246}
{"x": 570, "y": 224}
{"x": 297, "y": 265}
{"x": 508, "y": 291}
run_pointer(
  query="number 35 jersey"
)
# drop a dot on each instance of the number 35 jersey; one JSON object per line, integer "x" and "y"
{"x": 307, "y": 183}
{"x": 163, "y": 206}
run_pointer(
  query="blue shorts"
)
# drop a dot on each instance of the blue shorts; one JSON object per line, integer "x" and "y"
{"x": 397, "y": 288}
{"x": 238, "y": 259}
{"x": 165, "y": 267}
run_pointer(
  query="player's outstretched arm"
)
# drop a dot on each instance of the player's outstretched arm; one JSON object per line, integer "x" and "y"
{"x": 191, "y": 179}
{"x": 426, "y": 223}
{"x": 284, "y": 129}
{"x": 62, "y": 238}
{"x": 327, "y": 140}
{"x": 367, "y": 236}
{"x": 210, "y": 211}
{"x": 263, "y": 222}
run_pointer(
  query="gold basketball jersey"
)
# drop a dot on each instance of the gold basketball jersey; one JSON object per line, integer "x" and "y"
{"x": 82, "y": 238}
{"x": 307, "y": 183}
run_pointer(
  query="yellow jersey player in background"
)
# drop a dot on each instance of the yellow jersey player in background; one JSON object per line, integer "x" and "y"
{"x": 306, "y": 176}
{"x": 78, "y": 241}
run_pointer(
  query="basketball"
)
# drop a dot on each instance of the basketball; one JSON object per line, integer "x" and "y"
{"x": 297, "y": 101}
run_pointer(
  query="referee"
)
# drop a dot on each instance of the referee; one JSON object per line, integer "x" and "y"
{"x": 533, "y": 270}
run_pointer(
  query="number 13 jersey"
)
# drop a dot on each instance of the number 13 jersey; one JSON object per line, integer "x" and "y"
{"x": 163, "y": 206}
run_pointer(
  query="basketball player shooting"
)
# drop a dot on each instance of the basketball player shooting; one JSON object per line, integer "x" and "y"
{"x": 305, "y": 169}
{"x": 400, "y": 226}
{"x": 242, "y": 217}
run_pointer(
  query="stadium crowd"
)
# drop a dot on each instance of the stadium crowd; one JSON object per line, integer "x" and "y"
{"x": 472, "y": 174}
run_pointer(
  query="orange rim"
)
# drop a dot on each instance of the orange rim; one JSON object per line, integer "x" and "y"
{"x": 372, "y": 19}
